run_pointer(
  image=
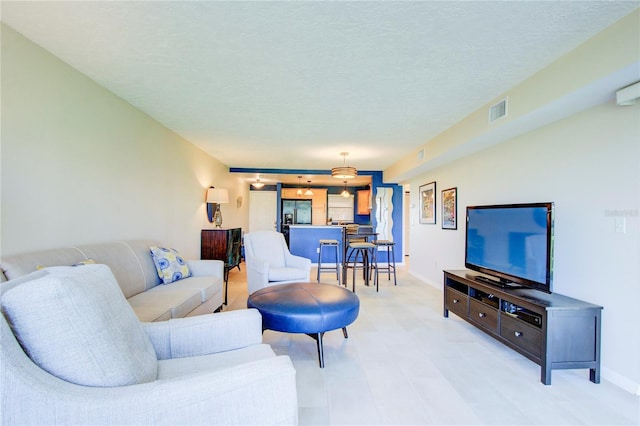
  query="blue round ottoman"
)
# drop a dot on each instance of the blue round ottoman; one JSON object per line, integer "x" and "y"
{"x": 308, "y": 308}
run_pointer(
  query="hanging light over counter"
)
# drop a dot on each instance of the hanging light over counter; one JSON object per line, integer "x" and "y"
{"x": 345, "y": 192}
{"x": 344, "y": 172}
{"x": 308, "y": 191}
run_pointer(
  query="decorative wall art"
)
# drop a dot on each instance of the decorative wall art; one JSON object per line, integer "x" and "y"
{"x": 428, "y": 203}
{"x": 450, "y": 208}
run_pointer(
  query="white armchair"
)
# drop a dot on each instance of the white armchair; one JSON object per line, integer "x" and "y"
{"x": 269, "y": 261}
{"x": 73, "y": 352}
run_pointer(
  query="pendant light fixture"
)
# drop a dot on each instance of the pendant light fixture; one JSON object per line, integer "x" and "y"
{"x": 299, "y": 191}
{"x": 257, "y": 184}
{"x": 308, "y": 191}
{"x": 344, "y": 172}
{"x": 345, "y": 192}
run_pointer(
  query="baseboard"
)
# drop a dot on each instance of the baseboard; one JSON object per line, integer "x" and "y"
{"x": 621, "y": 381}
{"x": 424, "y": 279}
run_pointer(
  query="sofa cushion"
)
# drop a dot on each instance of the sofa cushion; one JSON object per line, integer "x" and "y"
{"x": 157, "y": 301}
{"x": 207, "y": 286}
{"x": 77, "y": 326}
{"x": 170, "y": 265}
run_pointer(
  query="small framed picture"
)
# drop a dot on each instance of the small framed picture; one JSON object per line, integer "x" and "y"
{"x": 450, "y": 208}
{"x": 428, "y": 203}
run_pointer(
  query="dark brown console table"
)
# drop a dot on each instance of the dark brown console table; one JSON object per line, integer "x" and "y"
{"x": 222, "y": 244}
{"x": 552, "y": 330}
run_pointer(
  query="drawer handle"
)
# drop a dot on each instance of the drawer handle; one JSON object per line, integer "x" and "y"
{"x": 518, "y": 333}
{"x": 482, "y": 314}
{"x": 455, "y": 301}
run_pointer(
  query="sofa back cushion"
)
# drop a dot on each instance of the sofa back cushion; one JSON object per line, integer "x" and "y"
{"x": 133, "y": 268}
{"x": 17, "y": 265}
{"x": 76, "y": 325}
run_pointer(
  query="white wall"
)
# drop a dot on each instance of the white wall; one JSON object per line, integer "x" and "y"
{"x": 80, "y": 165}
{"x": 589, "y": 165}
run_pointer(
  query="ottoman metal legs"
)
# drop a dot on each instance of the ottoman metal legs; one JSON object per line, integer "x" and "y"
{"x": 318, "y": 338}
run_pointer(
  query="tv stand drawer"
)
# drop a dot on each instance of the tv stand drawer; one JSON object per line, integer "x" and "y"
{"x": 457, "y": 302}
{"x": 524, "y": 336}
{"x": 483, "y": 315}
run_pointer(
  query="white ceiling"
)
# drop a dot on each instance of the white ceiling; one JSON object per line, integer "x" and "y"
{"x": 292, "y": 84}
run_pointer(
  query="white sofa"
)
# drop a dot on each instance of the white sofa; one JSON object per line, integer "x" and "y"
{"x": 73, "y": 352}
{"x": 133, "y": 267}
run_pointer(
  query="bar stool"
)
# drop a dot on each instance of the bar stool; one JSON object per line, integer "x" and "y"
{"x": 336, "y": 267}
{"x": 362, "y": 256}
{"x": 391, "y": 264}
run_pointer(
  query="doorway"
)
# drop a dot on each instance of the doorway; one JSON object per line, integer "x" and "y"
{"x": 262, "y": 210}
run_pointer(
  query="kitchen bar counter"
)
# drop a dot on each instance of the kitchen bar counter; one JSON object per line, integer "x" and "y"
{"x": 304, "y": 240}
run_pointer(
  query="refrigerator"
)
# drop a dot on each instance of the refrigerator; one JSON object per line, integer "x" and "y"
{"x": 296, "y": 212}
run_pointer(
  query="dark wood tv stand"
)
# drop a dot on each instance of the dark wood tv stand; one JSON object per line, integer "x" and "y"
{"x": 552, "y": 330}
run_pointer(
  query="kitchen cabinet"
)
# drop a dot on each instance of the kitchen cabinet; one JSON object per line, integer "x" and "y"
{"x": 364, "y": 201}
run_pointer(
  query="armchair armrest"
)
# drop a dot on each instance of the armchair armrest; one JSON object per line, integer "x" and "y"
{"x": 297, "y": 261}
{"x": 206, "y": 268}
{"x": 205, "y": 334}
{"x": 257, "y": 392}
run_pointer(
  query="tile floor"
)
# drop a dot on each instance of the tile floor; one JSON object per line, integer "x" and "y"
{"x": 405, "y": 364}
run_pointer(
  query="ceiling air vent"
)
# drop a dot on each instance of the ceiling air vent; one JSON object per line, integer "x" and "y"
{"x": 498, "y": 111}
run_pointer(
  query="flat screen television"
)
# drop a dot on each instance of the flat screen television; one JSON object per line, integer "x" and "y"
{"x": 512, "y": 243}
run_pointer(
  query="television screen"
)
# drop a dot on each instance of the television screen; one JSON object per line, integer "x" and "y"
{"x": 512, "y": 242}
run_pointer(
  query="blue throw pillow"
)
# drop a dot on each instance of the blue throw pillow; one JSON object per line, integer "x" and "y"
{"x": 169, "y": 264}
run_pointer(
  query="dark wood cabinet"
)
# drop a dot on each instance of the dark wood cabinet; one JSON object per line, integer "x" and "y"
{"x": 222, "y": 244}
{"x": 552, "y": 330}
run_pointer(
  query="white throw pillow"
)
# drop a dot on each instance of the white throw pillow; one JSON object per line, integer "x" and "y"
{"x": 80, "y": 328}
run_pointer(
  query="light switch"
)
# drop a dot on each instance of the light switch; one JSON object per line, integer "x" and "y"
{"x": 621, "y": 225}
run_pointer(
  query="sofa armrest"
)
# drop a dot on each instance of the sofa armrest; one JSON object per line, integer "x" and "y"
{"x": 205, "y": 334}
{"x": 206, "y": 268}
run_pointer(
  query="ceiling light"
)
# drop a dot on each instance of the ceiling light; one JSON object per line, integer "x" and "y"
{"x": 345, "y": 193}
{"x": 299, "y": 191}
{"x": 308, "y": 191}
{"x": 344, "y": 172}
{"x": 257, "y": 184}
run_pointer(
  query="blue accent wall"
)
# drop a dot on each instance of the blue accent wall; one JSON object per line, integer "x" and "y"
{"x": 397, "y": 199}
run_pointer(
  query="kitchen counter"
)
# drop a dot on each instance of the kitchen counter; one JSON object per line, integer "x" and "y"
{"x": 304, "y": 240}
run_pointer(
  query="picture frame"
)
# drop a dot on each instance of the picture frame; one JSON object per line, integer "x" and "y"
{"x": 449, "y": 202}
{"x": 428, "y": 203}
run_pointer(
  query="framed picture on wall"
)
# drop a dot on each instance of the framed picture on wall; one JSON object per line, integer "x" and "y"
{"x": 450, "y": 208}
{"x": 428, "y": 203}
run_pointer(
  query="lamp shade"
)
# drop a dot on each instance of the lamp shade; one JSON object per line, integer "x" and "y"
{"x": 217, "y": 195}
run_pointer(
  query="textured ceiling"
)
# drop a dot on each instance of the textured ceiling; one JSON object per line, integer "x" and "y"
{"x": 293, "y": 84}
